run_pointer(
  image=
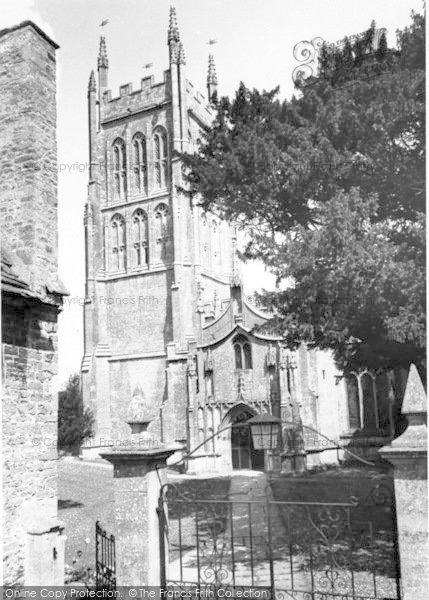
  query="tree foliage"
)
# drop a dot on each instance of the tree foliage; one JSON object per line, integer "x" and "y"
{"x": 332, "y": 186}
{"x": 75, "y": 423}
{"x": 359, "y": 286}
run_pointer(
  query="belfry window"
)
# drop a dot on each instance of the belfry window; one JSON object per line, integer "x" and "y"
{"x": 139, "y": 163}
{"x": 140, "y": 238}
{"x": 163, "y": 233}
{"x": 118, "y": 243}
{"x": 119, "y": 169}
{"x": 242, "y": 353}
{"x": 160, "y": 158}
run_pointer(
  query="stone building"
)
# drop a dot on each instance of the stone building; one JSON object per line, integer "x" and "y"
{"x": 167, "y": 323}
{"x": 33, "y": 544}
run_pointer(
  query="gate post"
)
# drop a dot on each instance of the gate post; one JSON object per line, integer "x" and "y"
{"x": 137, "y": 483}
{"x": 408, "y": 455}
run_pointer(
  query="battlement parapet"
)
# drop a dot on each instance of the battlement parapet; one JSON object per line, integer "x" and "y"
{"x": 149, "y": 96}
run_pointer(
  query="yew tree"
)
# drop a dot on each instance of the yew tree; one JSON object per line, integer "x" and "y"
{"x": 331, "y": 185}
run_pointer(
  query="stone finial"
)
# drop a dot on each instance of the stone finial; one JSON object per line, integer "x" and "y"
{"x": 139, "y": 409}
{"x": 173, "y": 28}
{"x": 181, "y": 56}
{"x": 415, "y": 396}
{"x": 212, "y": 75}
{"x": 103, "y": 61}
{"x": 415, "y": 409}
{"x": 92, "y": 87}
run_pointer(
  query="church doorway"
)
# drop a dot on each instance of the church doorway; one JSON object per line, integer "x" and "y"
{"x": 244, "y": 455}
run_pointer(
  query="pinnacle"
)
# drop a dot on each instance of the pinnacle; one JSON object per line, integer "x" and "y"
{"x": 181, "y": 58}
{"x": 173, "y": 28}
{"x": 173, "y": 54}
{"x": 103, "y": 61}
{"x": 92, "y": 85}
{"x": 212, "y": 75}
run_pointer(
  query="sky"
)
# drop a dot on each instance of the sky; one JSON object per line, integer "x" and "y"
{"x": 255, "y": 41}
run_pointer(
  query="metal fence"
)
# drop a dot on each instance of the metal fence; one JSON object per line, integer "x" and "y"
{"x": 105, "y": 559}
{"x": 278, "y": 549}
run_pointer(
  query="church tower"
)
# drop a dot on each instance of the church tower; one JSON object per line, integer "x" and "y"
{"x": 156, "y": 266}
{"x": 169, "y": 336}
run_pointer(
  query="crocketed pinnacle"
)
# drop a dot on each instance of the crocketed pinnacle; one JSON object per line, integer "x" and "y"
{"x": 103, "y": 61}
{"x": 181, "y": 58}
{"x": 212, "y": 75}
{"x": 92, "y": 85}
{"x": 173, "y": 28}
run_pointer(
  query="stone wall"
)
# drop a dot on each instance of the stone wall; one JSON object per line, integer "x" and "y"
{"x": 29, "y": 427}
{"x": 28, "y": 183}
{"x": 33, "y": 549}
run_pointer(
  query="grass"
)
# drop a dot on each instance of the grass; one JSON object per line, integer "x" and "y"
{"x": 85, "y": 495}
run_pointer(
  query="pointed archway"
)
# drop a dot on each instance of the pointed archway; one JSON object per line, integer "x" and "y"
{"x": 243, "y": 454}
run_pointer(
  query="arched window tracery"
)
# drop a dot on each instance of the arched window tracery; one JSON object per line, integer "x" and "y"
{"x": 163, "y": 233}
{"x": 118, "y": 243}
{"x": 140, "y": 238}
{"x": 139, "y": 163}
{"x": 242, "y": 353}
{"x": 362, "y": 400}
{"x": 119, "y": 169}
{"x": 160, "y": 162}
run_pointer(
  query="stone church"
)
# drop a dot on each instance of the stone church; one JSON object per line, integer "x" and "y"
{"x": 167, "y": 324}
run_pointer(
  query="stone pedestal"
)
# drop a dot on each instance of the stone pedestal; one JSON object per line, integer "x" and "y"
{"x": 137, "y": 479}
{"x": 408, "y": 455}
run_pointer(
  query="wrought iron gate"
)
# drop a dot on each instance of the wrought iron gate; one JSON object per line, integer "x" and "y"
{"x": 276, "y": 549}
{"x": 105, "y": 559}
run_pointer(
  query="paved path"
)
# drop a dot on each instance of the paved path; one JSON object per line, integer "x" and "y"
{"x": 236, "y": 547}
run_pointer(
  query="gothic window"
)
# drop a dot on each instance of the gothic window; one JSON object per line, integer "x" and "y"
{"x": 163, "y": 235}
{"x": 353, "y": 402}
{"x": 118, "y": 243}
{"x": 160, "y": 158}
{"x": 119, "y": 169}
{"x": 139, "y": 163}
{"x": 242, "y": 353}
{"x": 362, "y": 401}
{"x": 140, "y": 238}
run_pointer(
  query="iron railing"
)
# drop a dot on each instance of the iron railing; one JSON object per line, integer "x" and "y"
{"x": 290, "y": 550}
{"x": 105, "y": 559}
